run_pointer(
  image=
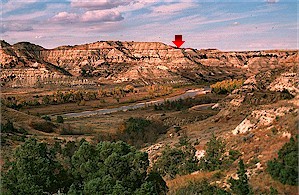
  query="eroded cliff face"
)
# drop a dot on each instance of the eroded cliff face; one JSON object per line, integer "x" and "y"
{"x": 139, "y": 62}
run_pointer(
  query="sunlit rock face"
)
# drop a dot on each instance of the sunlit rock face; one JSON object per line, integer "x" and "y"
{"x": 26, "y": 64}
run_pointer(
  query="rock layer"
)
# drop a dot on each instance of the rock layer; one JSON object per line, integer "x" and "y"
{"x": 139, "y": 62}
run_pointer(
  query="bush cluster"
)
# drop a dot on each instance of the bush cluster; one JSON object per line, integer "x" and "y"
{"x": 181, "y": 104}
{"x": 226, "y": 86}
{"x": 81, "y": 96}
{"x": 138, "y": 131}
{"x": 80, "y": 168}
{"x": 180, "y": 160}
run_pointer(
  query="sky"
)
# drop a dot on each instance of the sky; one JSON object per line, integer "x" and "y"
{"x": 222, "y": 24}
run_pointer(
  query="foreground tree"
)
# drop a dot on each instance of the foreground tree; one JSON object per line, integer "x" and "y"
{"x": 177, "y": 161}
{"x": 105, "y": 168}
{"x": 240, "y": 185}
{"x": 112, "y": 168}
{"x": 33, "y": 170}
{"x": 285, "y": 167}
{"x": 214, "y": 156}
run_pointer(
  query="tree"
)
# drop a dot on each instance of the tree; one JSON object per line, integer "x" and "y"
{"x": 8, "y": 127}
{"x": 33, "y": 170}
{"x": 226, "y": 86}
{"x": 59, "y": 119}
{"x": 47, "y": 118}
{"x": 177, "y": 161}
{"x": 138, "y": 131}
{"x": 46, "y": 100}
{"x": 111, "y": 168}
{"x": 82, "y": 168}
{"x": 214, "y": 156}
{"x": 285, "y": 167}
{"x": 240, "y": 185}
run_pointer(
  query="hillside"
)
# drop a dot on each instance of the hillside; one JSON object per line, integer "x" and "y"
{"x": 27, "y": 64}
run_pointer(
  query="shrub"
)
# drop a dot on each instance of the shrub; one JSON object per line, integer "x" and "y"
{"x": 234, "y": 154}
{"x": 214, "y": 156}
{"x": 240, "y": 185}
{"x": 44, "y": 126}
{"x": 183, "y": 104}
{"x": 59, "y": 119}
{"x": 47, "y": 118}
{"x": 177, "y": 161}
{"x": 273, "y": 191}
{"x": 285, "y": 167}
{"x": 7, "y": 127}
{"x": 138, "y": 131}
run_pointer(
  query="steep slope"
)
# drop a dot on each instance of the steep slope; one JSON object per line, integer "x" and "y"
{"x": 22, "y": 65}
{"x": 137, "y": 62}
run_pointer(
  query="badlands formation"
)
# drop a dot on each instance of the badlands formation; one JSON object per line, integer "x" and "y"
{"x": 143, "y": 63}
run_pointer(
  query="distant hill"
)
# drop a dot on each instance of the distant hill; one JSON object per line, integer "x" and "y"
{"x": 140, "y": 62}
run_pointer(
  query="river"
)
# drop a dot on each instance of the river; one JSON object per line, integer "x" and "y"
{"x": 187, "y": 94}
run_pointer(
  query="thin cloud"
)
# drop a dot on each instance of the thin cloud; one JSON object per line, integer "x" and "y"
{"x": 65, "y": 17}
{"x": 272, "y": 1}
{"x": 172, "y": 8}
{"x": 17, "y": 26}
{"x": 99, "y": 4}
{"x": 101, "y": 16}
{"x": 89, "y": 16}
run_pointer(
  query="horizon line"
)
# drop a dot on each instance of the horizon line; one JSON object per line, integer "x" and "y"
{"x": 253, "y": 50}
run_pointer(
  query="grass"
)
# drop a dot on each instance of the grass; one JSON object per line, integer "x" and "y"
{"x": 263, "y": 182}
{"x": 182, "y": 181}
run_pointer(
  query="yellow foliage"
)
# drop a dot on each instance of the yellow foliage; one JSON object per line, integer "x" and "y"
{"x": 226, "y": 86}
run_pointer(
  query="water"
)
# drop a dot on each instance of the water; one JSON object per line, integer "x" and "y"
{"x": 187, "y": 94}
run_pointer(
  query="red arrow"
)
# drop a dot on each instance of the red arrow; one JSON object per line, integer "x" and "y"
{"x": 178, "y": 40}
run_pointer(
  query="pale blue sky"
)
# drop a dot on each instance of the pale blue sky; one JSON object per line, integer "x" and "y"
{"x": 226, "y": 24}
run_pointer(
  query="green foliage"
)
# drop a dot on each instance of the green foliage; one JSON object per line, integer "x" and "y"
{"x": 154, "y": 184}
{"x": 218, "y": 175}
{"x": 240, "y": 185}
{"x": 44, "y": 126}
{"x": 285, "y": 167}
{"x": 200, "y": 187}
{"x": 46, "y": 100}
{"x": 47, "y": 118}
{"x": 109, "y": 168}
{"x": 59, "y": 119}
{"x": 80, "y": 168}
{"x": 183, "y": 104}
{"x": 138, "y": 131}
{"x": 33, "y": 170}
{"x": 177, "y": 161}
{"x": 7, "y": 127}
{"x": 234, "y": 154}
{"x": 184, "y": 140}
{"x": 226, "y": 86}
{"x": 214, "y": 156}
{"x": 136, "y": 124}
{"x": 273, "y": 191}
